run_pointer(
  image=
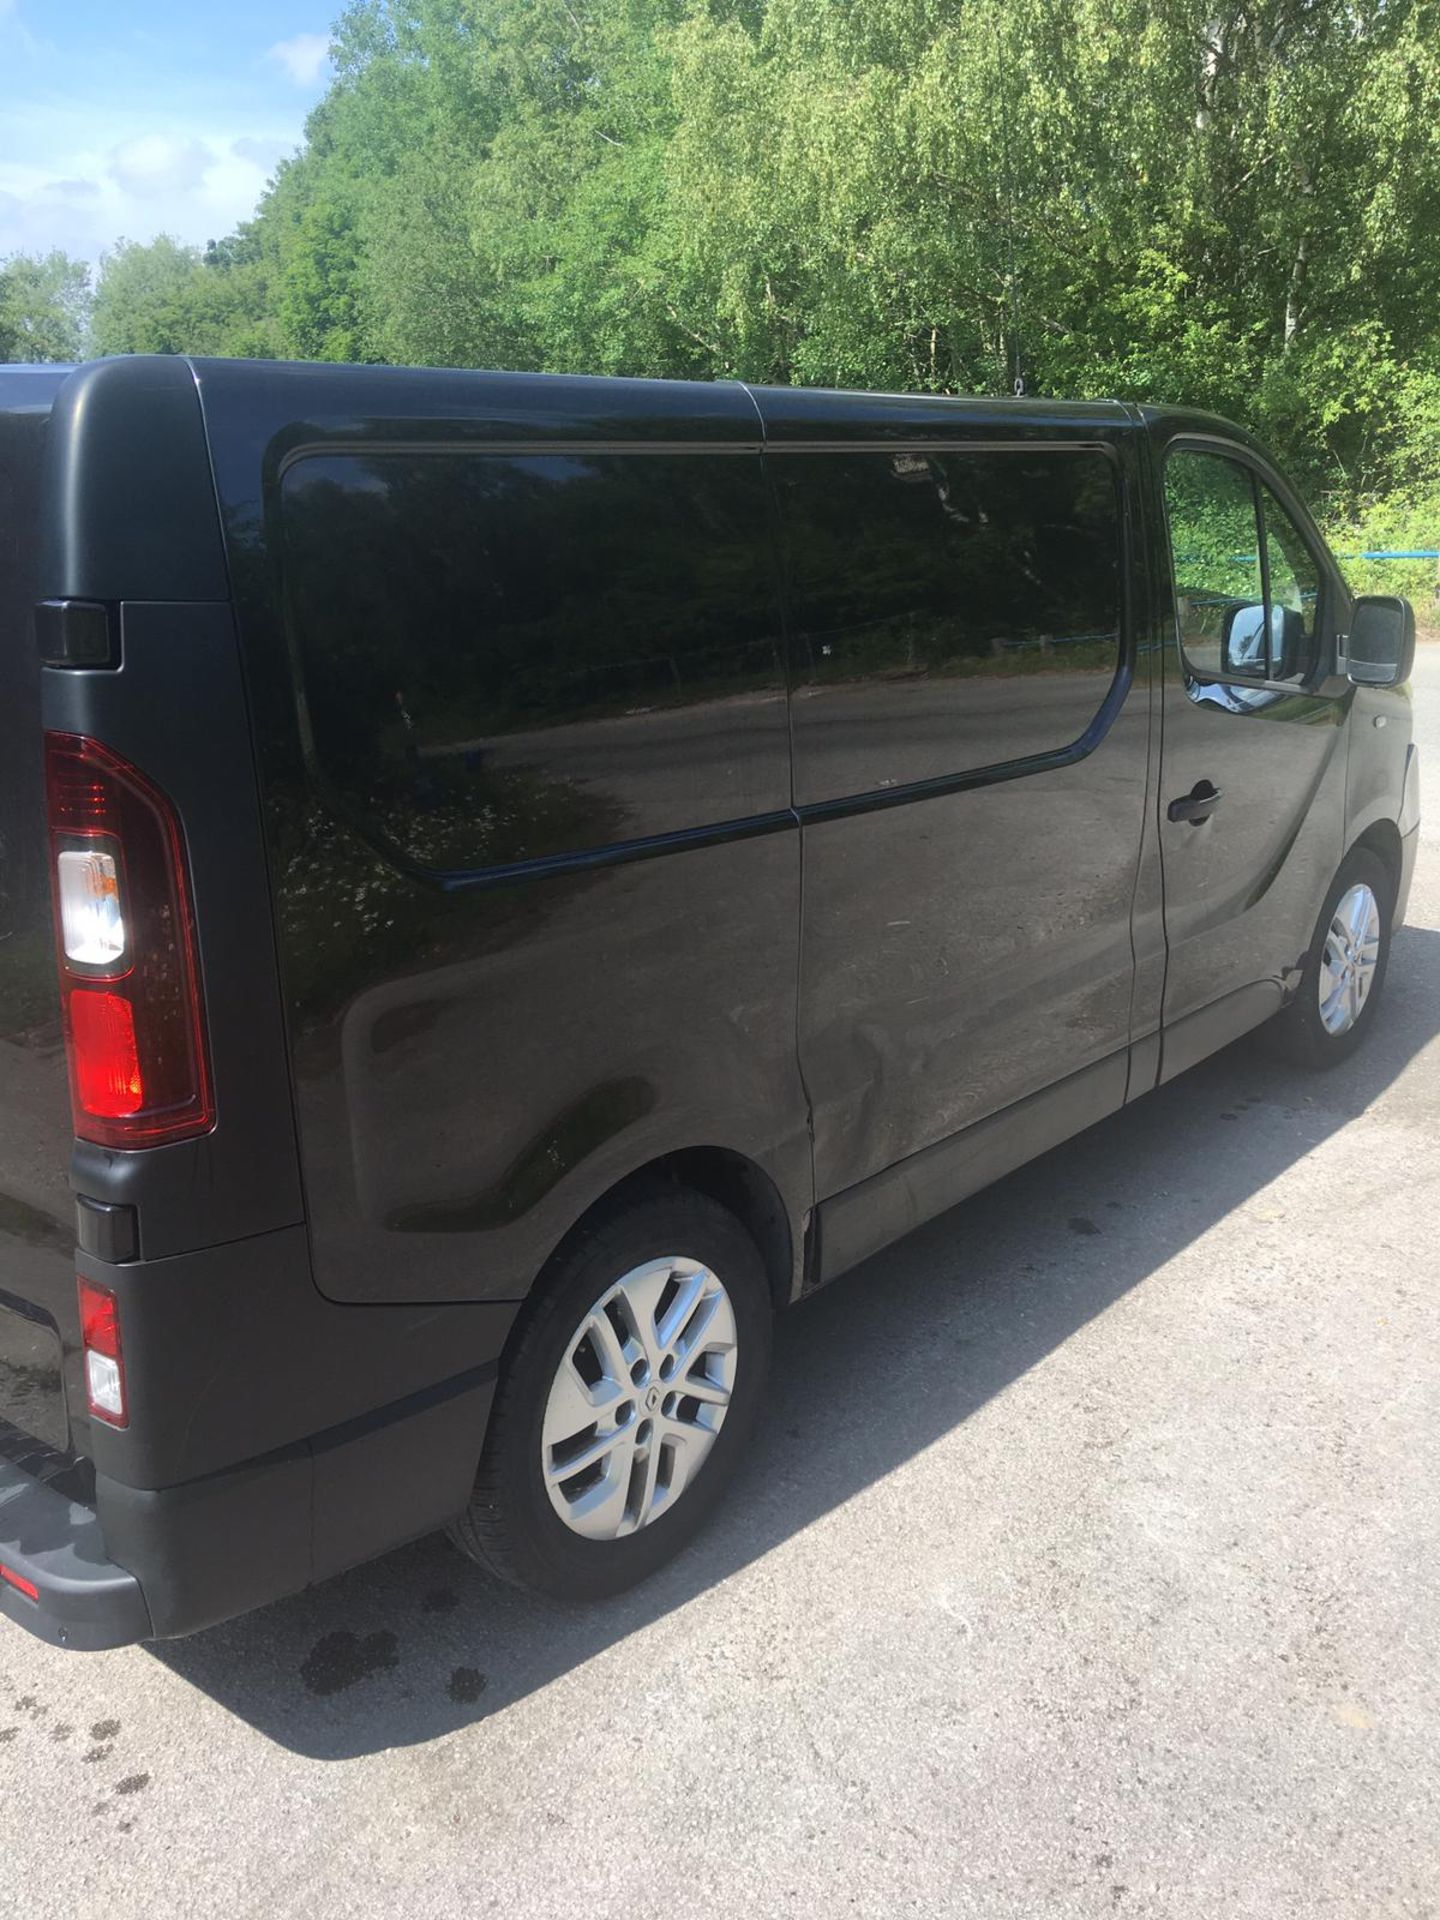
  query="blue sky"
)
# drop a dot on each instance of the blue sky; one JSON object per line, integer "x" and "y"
{"x": 138, "y": 117}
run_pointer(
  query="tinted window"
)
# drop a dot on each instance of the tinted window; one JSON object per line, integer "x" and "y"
{"x": 950, "y": 611}
{"x": 508, "y": 657}
{"x": 1215, "y": 552}
{"x": 1222, "y": 516}
{"x": 1294, "y": 587}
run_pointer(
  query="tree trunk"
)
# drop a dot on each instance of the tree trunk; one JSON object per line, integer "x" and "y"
{"x": 1297, "y": 290}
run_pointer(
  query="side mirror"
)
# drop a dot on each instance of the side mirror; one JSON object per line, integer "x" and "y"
{"x": 1380, "y": 650}
{"x": 1242, "y": 640}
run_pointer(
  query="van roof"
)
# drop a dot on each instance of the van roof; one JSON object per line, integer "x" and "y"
{"x": 827, "y": 413}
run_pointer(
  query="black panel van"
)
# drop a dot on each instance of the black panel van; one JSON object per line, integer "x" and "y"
{"x": 505, "y": 881}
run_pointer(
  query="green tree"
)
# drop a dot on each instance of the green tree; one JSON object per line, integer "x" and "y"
{"x": 162, "y": 297}
{"x": 44, "y": 301}
{"x": 1233, "y": 203}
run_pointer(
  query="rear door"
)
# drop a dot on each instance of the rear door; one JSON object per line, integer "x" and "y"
{"x": 1253, "y": 768}
{"x": 37, "y": 1210}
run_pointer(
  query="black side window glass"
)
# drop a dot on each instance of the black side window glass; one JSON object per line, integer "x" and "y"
{"x": 1215, "y": 555}
{"x": 950, "y": 611}
{"x": 1294, "y": 593}
{"x": 509, "y": 657}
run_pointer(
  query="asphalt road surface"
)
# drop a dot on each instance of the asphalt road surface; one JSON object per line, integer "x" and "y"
{"x": 1087, "y": 1565}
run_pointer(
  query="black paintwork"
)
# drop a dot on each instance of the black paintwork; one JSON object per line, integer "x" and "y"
{"x": 536, "y": 838}
{"x": 37, "y": 1275}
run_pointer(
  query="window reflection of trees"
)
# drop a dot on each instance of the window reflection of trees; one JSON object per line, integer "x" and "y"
{"x": 951, "y": 564}
{"x": 441, "y": 606}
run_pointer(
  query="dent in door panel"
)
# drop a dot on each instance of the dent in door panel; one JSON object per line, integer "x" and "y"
{"x": 966, "y": 950}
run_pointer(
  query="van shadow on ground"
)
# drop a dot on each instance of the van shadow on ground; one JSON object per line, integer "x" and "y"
{"x": 421, "y": 1642}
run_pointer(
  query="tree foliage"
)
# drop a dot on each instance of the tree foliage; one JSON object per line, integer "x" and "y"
{"x": 162, "y": 297}
{"x": 43, "y": 302}
{"x": 1234, "y": 203}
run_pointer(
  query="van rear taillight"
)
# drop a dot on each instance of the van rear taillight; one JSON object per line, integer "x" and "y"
{"x": 125, "y": 938}
{"x": 104, "y": 1362}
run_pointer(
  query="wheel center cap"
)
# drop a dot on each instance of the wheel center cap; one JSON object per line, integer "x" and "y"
{"x": 652, "y": 1399}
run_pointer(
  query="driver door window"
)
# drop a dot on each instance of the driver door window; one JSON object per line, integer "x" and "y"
{"x": 1294, "y": 593}
{"x": 1246, "y": 586}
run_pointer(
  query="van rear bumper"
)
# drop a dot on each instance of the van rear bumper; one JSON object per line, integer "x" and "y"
{"x": 50, "y": 1543}
{"x": 158, "y": 1563}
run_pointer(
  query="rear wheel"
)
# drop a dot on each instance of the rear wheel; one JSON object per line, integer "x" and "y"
{"x": 1344, "y": 969}
{"x": 626, "y": 1401}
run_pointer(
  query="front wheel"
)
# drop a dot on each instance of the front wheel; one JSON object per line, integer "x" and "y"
{"x": 1344, "y": 968}
{"x": 626, "y": 1401}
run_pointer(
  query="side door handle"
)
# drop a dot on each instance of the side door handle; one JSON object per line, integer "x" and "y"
{"x": 1198, "y": 804}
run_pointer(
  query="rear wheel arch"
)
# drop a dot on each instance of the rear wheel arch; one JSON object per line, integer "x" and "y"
{"x": 731, "y": 1179}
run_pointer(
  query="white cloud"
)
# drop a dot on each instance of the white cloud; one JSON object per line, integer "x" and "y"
{"x": 304, "y": 58}
{"x": 264, "y": 154}
{"x": 160, "y": 164}
{"x": 78, "y": 178}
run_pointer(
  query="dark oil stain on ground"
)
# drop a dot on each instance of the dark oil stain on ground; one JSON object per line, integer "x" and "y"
{"x": 99, "y": 1753}
{"x": 442, "y": 1600}
{"x": 132, "y": 1783}
{"x": 104, "y": 1729}
{"x": 466, "y": 1685}
{"x": 339, "y": 1660}
{"x": 7, "y": 1734}
{"x": 1080, "y": 1224}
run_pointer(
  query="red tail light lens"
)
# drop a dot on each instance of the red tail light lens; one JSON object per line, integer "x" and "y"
{"x": 125, "y": 938}
{"x": 104, "y": 1362}
{"x": 107, "y": 1060}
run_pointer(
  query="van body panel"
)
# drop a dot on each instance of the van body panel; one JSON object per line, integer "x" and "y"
{"x": 1371, "y": 793}
{"x": 868, "y": 1216}
{"x": 478, "y": 880}
{"x": 1244, "y": 886}
{"x": 1242, "y": 899}
{"x": 1193, "y": 1038}
{"x": 822, "y": 416}
{"x": 460, "y": 1117}
{"x": 235, "y": 1539}
{"x": 211, "y": 1385}
{"x": 910, "y": 1036}
{"x": 175, "y": 707}
{"x": 127, "y": 504}
{"x": 973, "y": 799}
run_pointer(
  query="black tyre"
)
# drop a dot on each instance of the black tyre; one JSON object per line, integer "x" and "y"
{"x": 631, "y": 1388}
{"x": 1334, "y": 1006}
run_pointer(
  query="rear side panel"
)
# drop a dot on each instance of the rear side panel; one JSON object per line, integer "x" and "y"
{"x": 527, "y": 799}
{"x": 129, "y": 520}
